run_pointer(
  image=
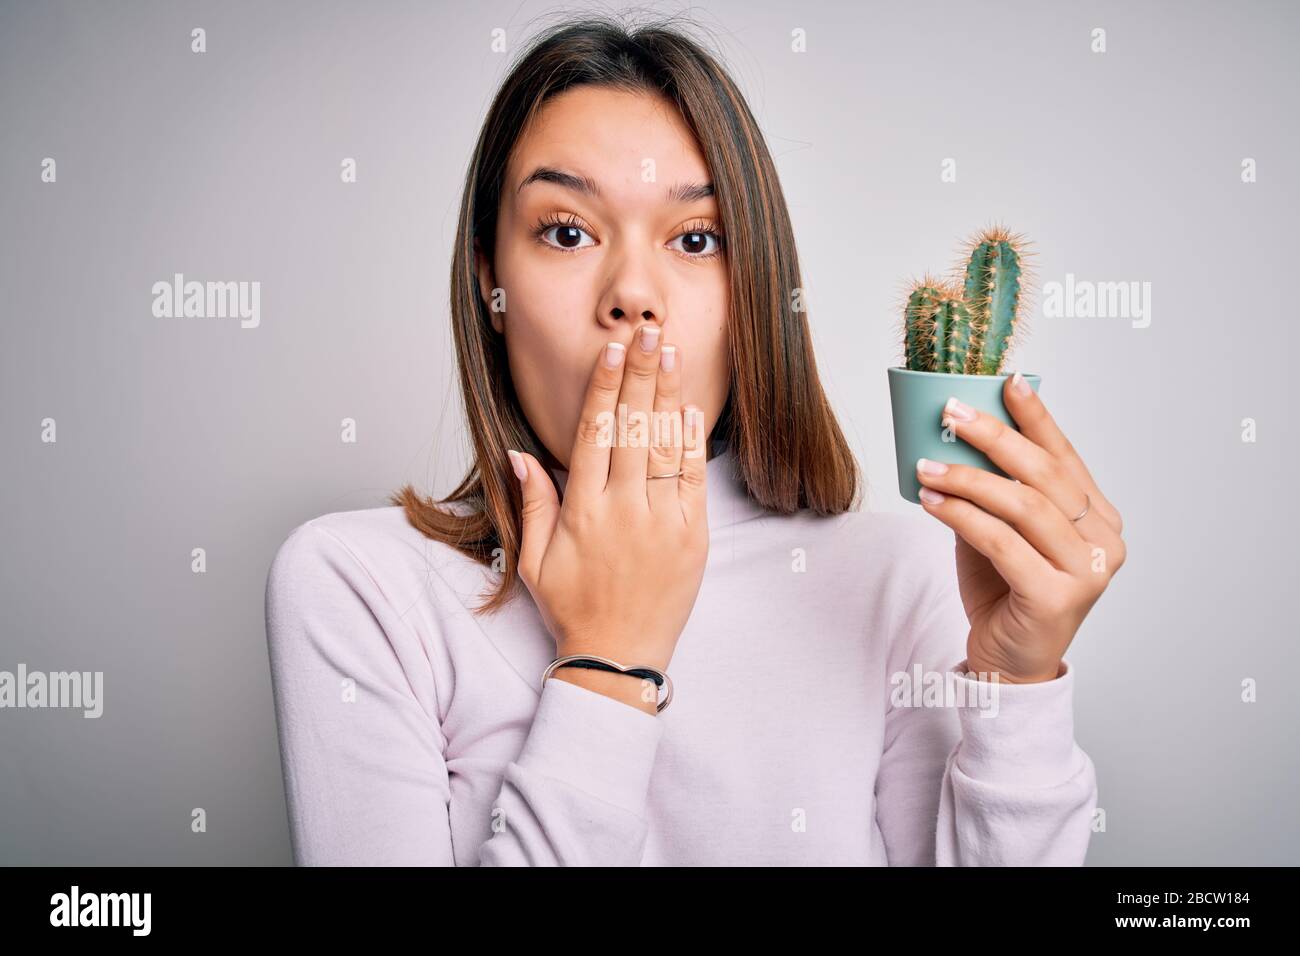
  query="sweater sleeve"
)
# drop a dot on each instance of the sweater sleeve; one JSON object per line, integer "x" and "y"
{"x": 364, "y": 756}
{"x": 986, "y": 774}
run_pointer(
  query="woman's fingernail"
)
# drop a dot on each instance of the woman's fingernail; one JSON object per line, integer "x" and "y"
{"x": 930, "y": 496}
{"x": 668, "y": 358}
{"x": 959, "y": 410}
{"x": 614, "y": 354}
{"x": 928, "y": 467}
{"x": 517, "y": 462}
{"x": 649, "y": 337}
{"x": 1019, "y": 385}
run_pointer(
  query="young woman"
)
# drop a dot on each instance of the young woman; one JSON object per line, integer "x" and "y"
{"x": 625, "y": 257}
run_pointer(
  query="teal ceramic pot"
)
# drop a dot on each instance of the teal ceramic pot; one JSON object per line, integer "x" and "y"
{"x": 918, "y": 398}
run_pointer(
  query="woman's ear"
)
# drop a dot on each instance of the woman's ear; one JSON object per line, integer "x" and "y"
{"x": 487, "y": 285}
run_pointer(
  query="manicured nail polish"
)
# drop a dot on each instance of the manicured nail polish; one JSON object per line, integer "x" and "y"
{"x": 930, "y": 496}
{"x": 649, "y": 337}
{"x": 928, "y": 467}
{"x": 668, "y": 358}
{"x": 517, "y": 462}
{"x": 1019, "y": 385}
{"x": 614, "y": 354}
{"x": 959, "y": 410}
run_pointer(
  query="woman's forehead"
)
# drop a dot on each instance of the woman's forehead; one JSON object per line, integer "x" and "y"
{"x": 606, "y": 144}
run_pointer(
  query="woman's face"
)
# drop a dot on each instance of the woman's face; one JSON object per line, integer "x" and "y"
{"x": 581, "y": 268}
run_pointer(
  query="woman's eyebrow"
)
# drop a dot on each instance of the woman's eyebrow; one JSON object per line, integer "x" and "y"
{"x": 546, "y": 174}
{"x": 690, "y": 192}
{"x": 681, "y": 193}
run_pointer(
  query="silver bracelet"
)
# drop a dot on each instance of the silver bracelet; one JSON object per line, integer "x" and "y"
{"x": 643, "y": 671}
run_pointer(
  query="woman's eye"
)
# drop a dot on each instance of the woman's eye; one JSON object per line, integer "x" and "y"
{"x": 567, "y": 237}
{"x": 696, "y": 244}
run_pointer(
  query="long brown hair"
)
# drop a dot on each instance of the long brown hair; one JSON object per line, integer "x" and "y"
{"x": 788, "y": 447}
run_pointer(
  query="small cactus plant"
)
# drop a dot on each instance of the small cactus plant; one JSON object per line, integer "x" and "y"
{"x": 966, "y": 324}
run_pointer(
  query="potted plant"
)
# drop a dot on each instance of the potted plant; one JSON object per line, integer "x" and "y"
{"x": 956, "y": 336}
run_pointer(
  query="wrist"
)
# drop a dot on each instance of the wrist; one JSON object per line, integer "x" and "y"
{"x": 978, "y": 671}
{"x": 626, "y": 651}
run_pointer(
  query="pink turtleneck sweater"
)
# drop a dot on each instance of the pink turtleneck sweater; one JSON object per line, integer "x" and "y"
{"x": 818, "y": 715}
